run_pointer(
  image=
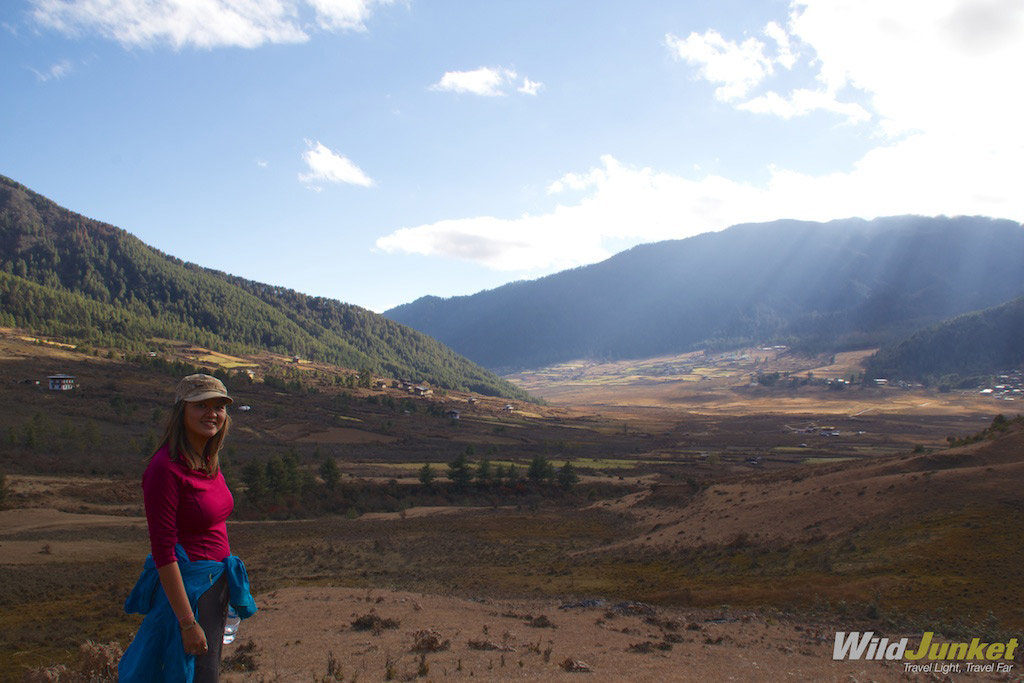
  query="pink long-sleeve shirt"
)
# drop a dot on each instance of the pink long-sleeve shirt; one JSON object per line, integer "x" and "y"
{"x": 185, "y": 506}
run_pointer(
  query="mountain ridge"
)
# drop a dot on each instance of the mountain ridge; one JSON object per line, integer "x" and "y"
{"x": 64, "y": 274}
{"x": 958, "y": 350}
{"x": 843, "y": 284}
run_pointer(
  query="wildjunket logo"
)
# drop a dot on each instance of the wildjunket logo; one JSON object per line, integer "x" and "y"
{"x": 856, "y": 645}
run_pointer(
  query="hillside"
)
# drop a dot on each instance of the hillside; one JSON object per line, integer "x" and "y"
{"x": 843, "y": 284}
{"x": 979, "y": 343}
{"x": 69, "y": 276}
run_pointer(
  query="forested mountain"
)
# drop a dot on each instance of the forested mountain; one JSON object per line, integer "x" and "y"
{"x": 842, "y": 284}
{"x": 968, "y": 346}
{"x": 66, "y": 275}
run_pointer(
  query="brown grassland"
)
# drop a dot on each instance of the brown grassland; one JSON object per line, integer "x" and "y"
{"x": 741, "y": 525}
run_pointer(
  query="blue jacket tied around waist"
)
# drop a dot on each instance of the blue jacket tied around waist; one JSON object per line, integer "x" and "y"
{"x": 156, "y": 653}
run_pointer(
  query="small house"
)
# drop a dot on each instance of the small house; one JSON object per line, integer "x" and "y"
{"x": 452, "y": 415}
{"x": 62, "y": 382}
{"x": 422, "y": 391}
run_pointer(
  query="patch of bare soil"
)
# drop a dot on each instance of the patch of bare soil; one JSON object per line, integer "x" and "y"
{"x": 302, "y": 633}
{"x": 72, "y": 546}
{"x": 826, "y": 500}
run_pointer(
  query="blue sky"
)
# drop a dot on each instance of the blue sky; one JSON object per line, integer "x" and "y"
{"x": 374, "y": 151}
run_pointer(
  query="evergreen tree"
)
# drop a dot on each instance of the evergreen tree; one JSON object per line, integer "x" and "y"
{"x": 330, "y": 473}
{"x": 255, "y": 480}
{"x": 427, "y": 475}
{"x": 3, "y": 490}
{"x": 459, "y": 472}
{"x": 483, "y": 472}
{"x": 540, "y": 469}
{"x": 567, "y": 477}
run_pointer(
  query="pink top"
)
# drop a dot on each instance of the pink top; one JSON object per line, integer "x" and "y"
{"x": 185, "y": 506}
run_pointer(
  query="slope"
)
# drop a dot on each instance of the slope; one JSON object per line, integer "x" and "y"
{"x": 67, "y": 275}
{"x": 957, "y": 350}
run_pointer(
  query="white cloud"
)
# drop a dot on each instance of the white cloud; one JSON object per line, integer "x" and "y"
{"x": 201, "y": 23}
{"x": 328, "y": 166}
{"x": 529, "y": 87}
{"x": 485, "y": 81}
{"x": 334, "y": 15}
{"x": 786, "y": 58}
{"x": 738, "y": 67}
{"x": 802, "y": 102}
{"x": 262, "y": 163}
{"x": 55, "y": 72}
{"x": 636, "y": 205}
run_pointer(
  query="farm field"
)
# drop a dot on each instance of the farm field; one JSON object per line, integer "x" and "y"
{"x": 707, "y": 501}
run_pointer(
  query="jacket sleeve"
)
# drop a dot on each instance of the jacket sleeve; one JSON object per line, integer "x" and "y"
{"x": 161, "y": 490}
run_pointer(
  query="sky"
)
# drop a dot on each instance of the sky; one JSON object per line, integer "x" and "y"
{"x": 376, "y": 151}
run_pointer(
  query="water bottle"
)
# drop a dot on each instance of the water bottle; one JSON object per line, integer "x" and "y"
{"x": 231, "y": 625}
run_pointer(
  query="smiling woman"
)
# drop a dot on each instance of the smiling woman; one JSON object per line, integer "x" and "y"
{"x": 187, "y": 506}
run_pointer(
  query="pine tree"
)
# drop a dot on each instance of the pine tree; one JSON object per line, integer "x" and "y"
{"x": 567, "y": 477}
{"x": 330, "y": 473}
{"x": 427, "y": 475}
{"x": 459, "y": 472}
{"x": 483, "y": 472}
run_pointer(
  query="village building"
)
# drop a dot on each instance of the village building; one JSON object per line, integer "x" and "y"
{"x": 62, "y": 382}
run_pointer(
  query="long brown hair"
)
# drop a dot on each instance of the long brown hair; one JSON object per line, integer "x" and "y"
{"x": 178, "y": 445}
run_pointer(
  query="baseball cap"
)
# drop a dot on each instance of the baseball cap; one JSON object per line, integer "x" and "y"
{"x": 199, "y": 388}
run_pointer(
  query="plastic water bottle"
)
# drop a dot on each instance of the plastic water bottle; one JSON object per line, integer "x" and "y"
{"x": 231, "y": 625}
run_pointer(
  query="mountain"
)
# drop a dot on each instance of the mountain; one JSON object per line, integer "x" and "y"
{"x": 843, "y": 284}
{"x": 957, "y": 350}
{"x": 69, "y": 276}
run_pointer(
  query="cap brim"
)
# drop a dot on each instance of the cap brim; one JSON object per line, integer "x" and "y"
{"x": 208, "y": 394}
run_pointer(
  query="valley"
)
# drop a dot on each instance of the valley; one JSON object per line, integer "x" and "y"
{"x": 704, "y": 495}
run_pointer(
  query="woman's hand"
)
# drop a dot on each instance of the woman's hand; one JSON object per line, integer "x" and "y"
{"x": 193, "y": 639}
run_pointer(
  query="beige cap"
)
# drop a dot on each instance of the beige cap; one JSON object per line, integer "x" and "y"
{"x": 199, "y": 388}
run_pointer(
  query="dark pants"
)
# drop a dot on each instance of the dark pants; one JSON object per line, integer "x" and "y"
{"x": 213, "y": 611}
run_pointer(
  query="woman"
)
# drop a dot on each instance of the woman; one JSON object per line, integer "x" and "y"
{"x": 187, "y": 505}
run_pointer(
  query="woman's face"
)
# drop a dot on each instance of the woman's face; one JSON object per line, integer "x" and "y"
{"x": 203, "y": 419}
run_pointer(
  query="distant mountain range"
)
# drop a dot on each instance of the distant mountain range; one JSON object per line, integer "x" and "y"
{"x": 69, "y": 276}
{"x": 817, "y": 286}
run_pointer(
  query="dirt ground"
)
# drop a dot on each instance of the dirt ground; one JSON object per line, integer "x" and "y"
{"x": 298, "y": 630}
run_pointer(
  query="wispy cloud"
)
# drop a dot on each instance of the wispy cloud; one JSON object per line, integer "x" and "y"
{"x": 486, "y": 82}
{"x": 203, "y": 23}
{"x": 327, "y": 166}
{"x": 529, "y": 87}
{"x": 55, "y": 72}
